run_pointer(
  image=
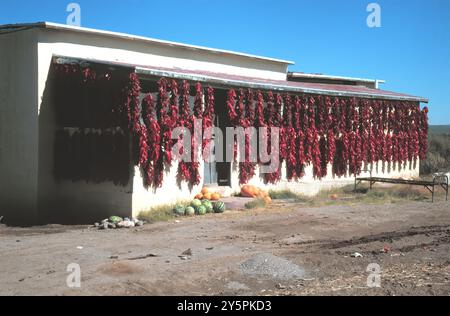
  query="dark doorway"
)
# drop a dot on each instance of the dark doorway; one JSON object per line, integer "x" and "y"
{"x": 219, "y": 173}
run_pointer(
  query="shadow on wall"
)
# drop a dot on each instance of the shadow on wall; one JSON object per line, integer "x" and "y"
{"x": 85, "y": 169}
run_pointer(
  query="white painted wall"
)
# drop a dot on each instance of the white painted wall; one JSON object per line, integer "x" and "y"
{"x": 309, "y": 186}
{"x": 91, "y": 46}
{"x": 18, "y": 126}
{"x": 170, "y": 192}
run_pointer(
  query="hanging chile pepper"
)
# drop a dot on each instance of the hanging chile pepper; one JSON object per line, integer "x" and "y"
{"x": 343, "y": 132}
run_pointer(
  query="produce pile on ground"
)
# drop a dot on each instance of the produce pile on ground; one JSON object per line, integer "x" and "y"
{"x": 115, "y": 222}
{"x": 203, "y": 203}
{"x": 255, "y": 192}
{"x": 206, "y": 194}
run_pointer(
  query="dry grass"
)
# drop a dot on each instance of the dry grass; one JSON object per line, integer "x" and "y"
{"x": 286, "y": 195}
{"x": 377, "y": 195}
{"x": 161, "y": 213}
{"x": 255, "y": 203}
{"x": 347, "y": 195}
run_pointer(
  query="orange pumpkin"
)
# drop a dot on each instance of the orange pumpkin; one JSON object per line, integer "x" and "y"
{"x": 247, "y": 191}
{"x": 207, "y": 196}
{"x": 215, "y": 197}
{"x": 199, "y": 196}
{"x": 262, "y": 194}
{"x": 252, "y": 191}
{"x": 205, "y": 190}
{"x": 267, "y": 200}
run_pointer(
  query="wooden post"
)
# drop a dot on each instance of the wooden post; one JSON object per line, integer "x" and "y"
{"x": 446, "y": 193}
{"x": 432, "y": 195}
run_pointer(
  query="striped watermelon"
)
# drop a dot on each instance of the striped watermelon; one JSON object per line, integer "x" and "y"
{"x": 190, "y": 211}
{"x": 180, "y": 210}
{"x": 208, "y": 205}
{"x": 219, "y": 207}
{"x": 201, "y": 210}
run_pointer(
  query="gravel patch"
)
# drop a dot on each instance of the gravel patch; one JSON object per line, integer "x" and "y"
{"x": 272, "y": 266}
{"x": 238, "y": 286}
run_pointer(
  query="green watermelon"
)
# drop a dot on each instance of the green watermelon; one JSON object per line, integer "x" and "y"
{"x": 179, "y": 210}
{"x": 201, "y": 210}
{"x": 208, "y": 205}
{"x": 115, "y": 219}
{"x": 219, "y": 207}
{"x": 190, "y": 211}
{"x": 196, "y": 203}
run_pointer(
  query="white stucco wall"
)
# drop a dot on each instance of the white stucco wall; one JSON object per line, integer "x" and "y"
{"x": 91, "y": 46}
{"x": 309, "y": 186}
{"x": 169, "y": 193}
{"x": 18, "y": 126}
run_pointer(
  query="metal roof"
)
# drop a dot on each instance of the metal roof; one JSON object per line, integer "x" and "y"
{"x": 236, "y": 81}
{"x": 48, "y": 25}
{"x": 294, "y": 74}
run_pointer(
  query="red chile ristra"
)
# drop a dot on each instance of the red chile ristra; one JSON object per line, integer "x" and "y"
{"x": 316, "y": 130}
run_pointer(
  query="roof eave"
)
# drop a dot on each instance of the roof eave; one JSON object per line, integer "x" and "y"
{"x": 269, "y": 86}
{"x": 222, "y": 82}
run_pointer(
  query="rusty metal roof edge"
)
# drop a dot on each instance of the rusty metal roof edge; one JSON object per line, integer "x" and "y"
{"x": 145, "y": 71}
{"x": 271, "y": 86}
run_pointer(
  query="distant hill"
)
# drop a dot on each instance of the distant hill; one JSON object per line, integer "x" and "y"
{"x": 440, "y": 129}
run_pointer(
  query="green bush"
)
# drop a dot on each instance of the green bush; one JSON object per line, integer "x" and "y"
{"x": 438, "y": 157}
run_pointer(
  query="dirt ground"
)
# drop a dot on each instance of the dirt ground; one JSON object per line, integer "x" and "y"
{"x": 409, "y": 241}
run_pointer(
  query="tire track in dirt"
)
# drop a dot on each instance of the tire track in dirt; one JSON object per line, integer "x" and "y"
{"x": 331, "y": 244}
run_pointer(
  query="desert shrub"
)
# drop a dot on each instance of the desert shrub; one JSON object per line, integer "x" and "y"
{"x": 438, "y": 157}
{"x": 282, "y": 194}
{"x": 255, "y": 203}
{"x": 376, "y": 194}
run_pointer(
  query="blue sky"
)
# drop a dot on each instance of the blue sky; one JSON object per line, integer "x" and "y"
{"x": 411, "y": 50}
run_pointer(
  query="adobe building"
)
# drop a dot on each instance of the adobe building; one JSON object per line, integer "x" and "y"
{"x": 78, "y": 110}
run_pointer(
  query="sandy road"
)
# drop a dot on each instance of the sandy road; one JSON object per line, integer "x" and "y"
{"x": 281, "y": 241}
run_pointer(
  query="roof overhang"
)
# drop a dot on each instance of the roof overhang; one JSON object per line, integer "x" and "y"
{"x": 227, "y": 81}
